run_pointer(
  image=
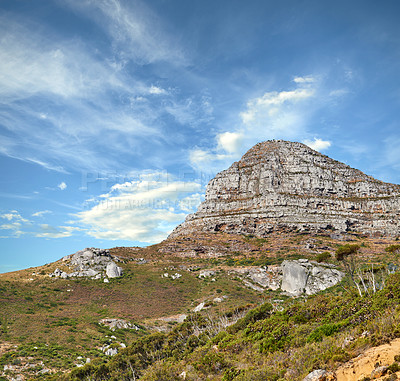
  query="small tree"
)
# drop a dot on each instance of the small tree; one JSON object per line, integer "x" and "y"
{"x": 346, "y": 254}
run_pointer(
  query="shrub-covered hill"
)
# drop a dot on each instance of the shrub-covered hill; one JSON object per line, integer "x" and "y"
{"x": 51, "y": 326}
{"x": 266, "y": 344}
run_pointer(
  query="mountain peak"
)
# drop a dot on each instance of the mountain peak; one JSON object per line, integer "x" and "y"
{"x": 279, "y": 184}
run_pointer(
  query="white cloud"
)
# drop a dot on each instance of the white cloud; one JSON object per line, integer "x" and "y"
{"x": 274, "y": 115}
{"x": 14, "y": 215}
{"x": 318, "y": 144}
{"x": 41, "y": 213}
{"x": 145, "y": 210}
{"x": 62, "y": 186}
{"x": 304, "y": 80}
{"x": 18, "y": 226}
{"x": 157, "y": 90}
{"x": 230, "y": 141}
{"x": 15, "y": 223}
{"x": 260, "y": 110}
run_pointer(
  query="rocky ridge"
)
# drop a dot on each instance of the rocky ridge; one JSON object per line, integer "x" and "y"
{"x": 280, "y": 185}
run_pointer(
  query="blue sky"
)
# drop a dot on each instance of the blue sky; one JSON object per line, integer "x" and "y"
{"x": 115, "y": 114}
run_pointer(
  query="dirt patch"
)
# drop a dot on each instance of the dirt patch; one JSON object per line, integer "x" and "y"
{"x": 363, "y": 365}
{"x": 5, "y": 347}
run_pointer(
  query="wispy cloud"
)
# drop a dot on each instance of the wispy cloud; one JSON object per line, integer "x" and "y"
{"x": 58, "y": 103}
{"x": 49, "y": 231}
{"x": 144, "y": 210}
{"x": 136, "y": 31}
{"x": 41, "y": 213}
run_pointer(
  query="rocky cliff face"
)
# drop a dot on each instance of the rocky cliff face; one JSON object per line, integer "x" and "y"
{"x": 284, "y": 185}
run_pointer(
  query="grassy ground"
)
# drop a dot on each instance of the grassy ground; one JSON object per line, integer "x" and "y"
{"x": 49, "y": 323}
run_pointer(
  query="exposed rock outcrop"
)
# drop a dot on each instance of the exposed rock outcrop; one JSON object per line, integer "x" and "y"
{"x": 302, "y": 276}
{"x": 90, "y": 262}
{"x": 280, "y": 185}
{"x": 114, "y": 324}
{"x": 296, "y": 277}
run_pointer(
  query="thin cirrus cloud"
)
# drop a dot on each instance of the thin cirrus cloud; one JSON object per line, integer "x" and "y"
{"x": 49, "y": 231}
{"x": 41, "y": 213}
{"x": 58, "y": 95}
{"x": 137, "y": 33}
{"x": 32, "y": 63}
{"x": 145, "y": 210}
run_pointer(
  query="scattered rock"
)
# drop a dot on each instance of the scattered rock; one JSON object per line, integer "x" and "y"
{"x": 173, "y": 276}
{"x": 174, "y": 318}
{"x": 269, "y": 277}
{"x": 294, "y": 277}
{"x": 199, "y": 307}
{"x": 206, "y": 273}
{"x": 317, "y": 375}
{"x": 378, "y": 372}
{"x": 59, "y": 273}
{"x": 114, "y": 324}
{"x": 347, "y": 341}
{"x": 252, "y": 286}
{"x": 220, "y": 299}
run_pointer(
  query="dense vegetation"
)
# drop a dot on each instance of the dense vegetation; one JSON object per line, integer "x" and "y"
{"x": 50, "y": 327}
{"x": 266, "y": 344}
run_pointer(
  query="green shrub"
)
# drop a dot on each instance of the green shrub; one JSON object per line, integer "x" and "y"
{"x": 322, "y": 257}
{"x": 346, "y": 250}
{"x": 394, "y": 368}
{"x": 230, "y": 374}
{"x": 324, "y": 330}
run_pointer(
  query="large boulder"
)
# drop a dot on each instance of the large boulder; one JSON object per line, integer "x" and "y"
{"x": 302, "y": 276}
{"x": 294, "y": 277}
{"x": 113, "y": 271}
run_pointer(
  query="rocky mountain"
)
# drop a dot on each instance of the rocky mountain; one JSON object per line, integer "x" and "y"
{"x": 280, "y": 185}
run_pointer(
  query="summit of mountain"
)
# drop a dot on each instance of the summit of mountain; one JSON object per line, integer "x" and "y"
{"x": 287, "y": 186}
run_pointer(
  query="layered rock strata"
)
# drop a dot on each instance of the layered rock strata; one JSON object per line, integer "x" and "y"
{"x": 280, "y": 185}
